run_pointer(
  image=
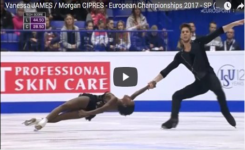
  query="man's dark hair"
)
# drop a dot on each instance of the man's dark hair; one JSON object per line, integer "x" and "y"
{"x": 125, "y": 110}
{"x": 185, "y": 25}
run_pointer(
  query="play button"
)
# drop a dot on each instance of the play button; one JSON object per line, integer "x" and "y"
{"x": 125, "y": 76}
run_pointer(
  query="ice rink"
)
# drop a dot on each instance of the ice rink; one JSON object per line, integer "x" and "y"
{"x": 111, "y": 131}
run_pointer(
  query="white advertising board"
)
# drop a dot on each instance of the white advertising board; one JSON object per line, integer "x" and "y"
{"x": 35, "y": 76}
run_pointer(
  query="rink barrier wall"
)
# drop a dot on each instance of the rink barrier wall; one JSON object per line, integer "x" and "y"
{"x": 29, "y": 85}
{"x": 141, "y": 106}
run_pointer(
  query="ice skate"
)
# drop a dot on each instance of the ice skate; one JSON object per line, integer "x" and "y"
{"x": 41, "y": 124}
{"x": 31, "y": 122}
{"x": 230, "y": 119}
{"x": 171, "y": 123}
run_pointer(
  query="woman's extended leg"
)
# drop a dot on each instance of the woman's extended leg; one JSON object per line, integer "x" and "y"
{"x": 74, "y": 104}
{"x": 60, "y": 117}
{"x": 71, "y": 105}
{"x": 66, "y": 116}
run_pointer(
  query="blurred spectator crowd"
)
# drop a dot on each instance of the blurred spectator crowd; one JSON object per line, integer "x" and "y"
{"x": 99, "y": 33}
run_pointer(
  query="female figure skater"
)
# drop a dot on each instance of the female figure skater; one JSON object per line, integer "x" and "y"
{"x": 88, "y": 105}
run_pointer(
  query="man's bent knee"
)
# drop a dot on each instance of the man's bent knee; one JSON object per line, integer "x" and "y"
{"x": 177, "y": 96}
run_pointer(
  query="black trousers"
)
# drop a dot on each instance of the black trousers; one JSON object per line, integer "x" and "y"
{"x": 209, "y": 82}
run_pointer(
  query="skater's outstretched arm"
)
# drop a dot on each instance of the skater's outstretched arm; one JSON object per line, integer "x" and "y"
{"x": 218, "y": 32}
{"x": 137, "y": 93}
{"x": 232, "y": 25}
{"x": 174, "y": 64}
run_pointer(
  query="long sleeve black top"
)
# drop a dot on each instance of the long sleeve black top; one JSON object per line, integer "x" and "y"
{"x": 197, "y": 61}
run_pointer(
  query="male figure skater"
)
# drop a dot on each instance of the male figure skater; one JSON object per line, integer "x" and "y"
{"x": 194, "y": 57}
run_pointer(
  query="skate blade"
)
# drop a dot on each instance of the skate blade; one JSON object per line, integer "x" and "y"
{"x": 166, "y": 128}
{"x": 36, "y": 130}
{"x": 38, "y": 127}
{"x": 26, "y": 123}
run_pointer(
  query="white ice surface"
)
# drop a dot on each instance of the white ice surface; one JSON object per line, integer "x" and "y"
{"x": 111, "y": 131}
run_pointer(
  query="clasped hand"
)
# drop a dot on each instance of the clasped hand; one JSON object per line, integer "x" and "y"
{"x": 152, "y": 84}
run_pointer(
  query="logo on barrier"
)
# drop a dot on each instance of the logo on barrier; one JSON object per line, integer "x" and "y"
{"x": 55, "y": 77}
{"x": 231, "y": 76}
